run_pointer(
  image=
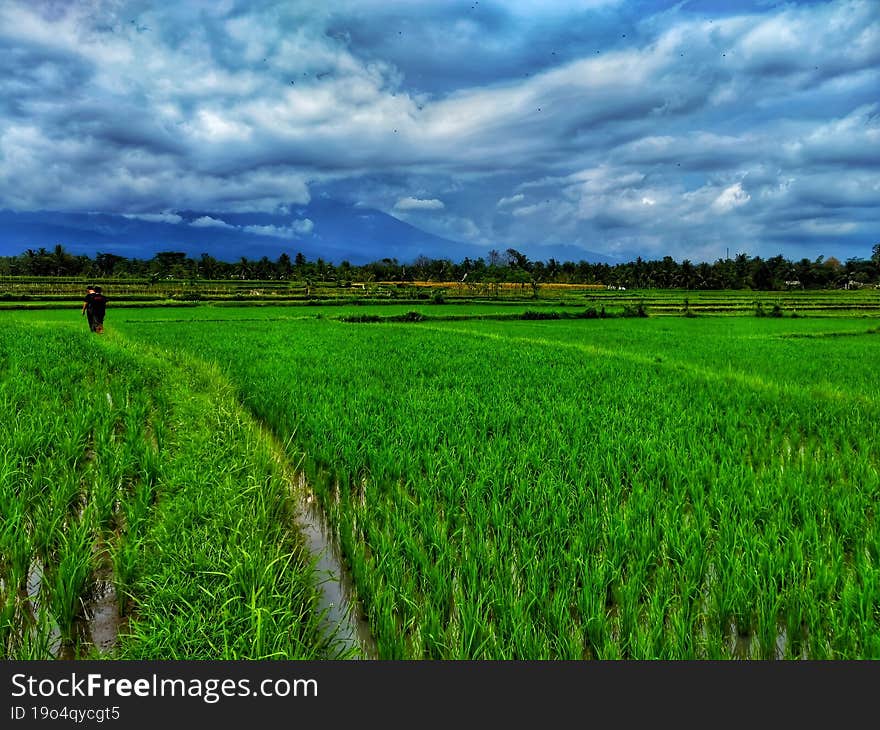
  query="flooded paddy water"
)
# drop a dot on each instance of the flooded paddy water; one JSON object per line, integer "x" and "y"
{"x": 345, "y": 617}
{"x": 94, "y": 630}
{"x": 97, "y": 629}
{"x": 98, "y": 624}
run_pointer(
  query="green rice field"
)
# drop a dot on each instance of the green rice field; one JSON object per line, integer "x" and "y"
{"x": 502, "y": 485}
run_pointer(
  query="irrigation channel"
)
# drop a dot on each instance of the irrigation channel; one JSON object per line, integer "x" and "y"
{"x": 344, "y": 617}
{"x": 345, "y": 622}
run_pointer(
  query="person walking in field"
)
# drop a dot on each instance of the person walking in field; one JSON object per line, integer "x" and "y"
{"x": 94, "y": 307}
{"x": 90, "y": 292}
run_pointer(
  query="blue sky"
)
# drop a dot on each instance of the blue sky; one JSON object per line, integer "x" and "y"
{"x": 689, "y": 129}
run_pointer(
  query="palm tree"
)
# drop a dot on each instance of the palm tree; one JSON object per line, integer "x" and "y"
{"x": 61, "y": 261}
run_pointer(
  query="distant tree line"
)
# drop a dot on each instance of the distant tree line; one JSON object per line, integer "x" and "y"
{"x": 741, "y": 272}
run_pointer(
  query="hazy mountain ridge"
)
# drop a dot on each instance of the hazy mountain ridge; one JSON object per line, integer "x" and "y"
{"x": 328, "y": 229}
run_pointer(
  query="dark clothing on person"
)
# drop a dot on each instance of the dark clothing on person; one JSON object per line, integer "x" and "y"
{"x": 88, "y": 313}
{"x": 96, "y": 307}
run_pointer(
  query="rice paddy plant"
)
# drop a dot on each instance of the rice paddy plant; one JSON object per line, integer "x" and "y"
{"x": 661, "y": 442}
{"x": 102, "y": 496}
{"x": 795, "y": 626}
{"x": 469, "y": 468}
{"x": 8, "y": 607}
{"x": 48, "y": 521}
{"x": 16, "y": 550}
{"x": 66, "y": 578}
{"x": 682, "y": 631}
{"x": 101, "y": 442}
{"x": 35, "y": 636}
{"x": 125, "y": 556}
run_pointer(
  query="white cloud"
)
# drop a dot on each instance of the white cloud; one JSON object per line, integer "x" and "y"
{"x": 512, "y": 200}
{"x": 828, "y": 228}
{"x": 303, "y": 226}
{"x": 526, "y": 210}
{"x": 207, "y": 221}
{"x": 731, "y": 197}
{"x": 458, "y": 228}
{"x": 300, "y": 227}
{"x": 419, "y": 204}
{"x": 604, "y": 178}
{"x": 155, "y": 217}
{"x": 852, "y": 139}
{"x": 218, "y": 127}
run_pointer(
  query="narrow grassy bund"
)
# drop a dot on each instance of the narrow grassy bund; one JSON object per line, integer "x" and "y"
{"x": 575, "y": 487}
{"x": 142, "y": 481}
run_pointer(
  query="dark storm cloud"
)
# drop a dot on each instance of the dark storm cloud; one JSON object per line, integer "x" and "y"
{"x": 30, "y": 75}
{"x": 447, "y": 46}
{"x": 653, "y": 127}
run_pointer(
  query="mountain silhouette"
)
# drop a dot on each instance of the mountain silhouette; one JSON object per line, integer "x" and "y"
{"x": 329, "y": 229}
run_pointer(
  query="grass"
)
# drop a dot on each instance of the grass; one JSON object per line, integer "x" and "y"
{"x": 633, "y": 488}
{"x": 152, "y": 463}
{"x": 662, "y": 487}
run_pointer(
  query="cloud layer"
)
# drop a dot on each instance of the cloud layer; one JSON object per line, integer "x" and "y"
{"x": 617, "y": 127}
